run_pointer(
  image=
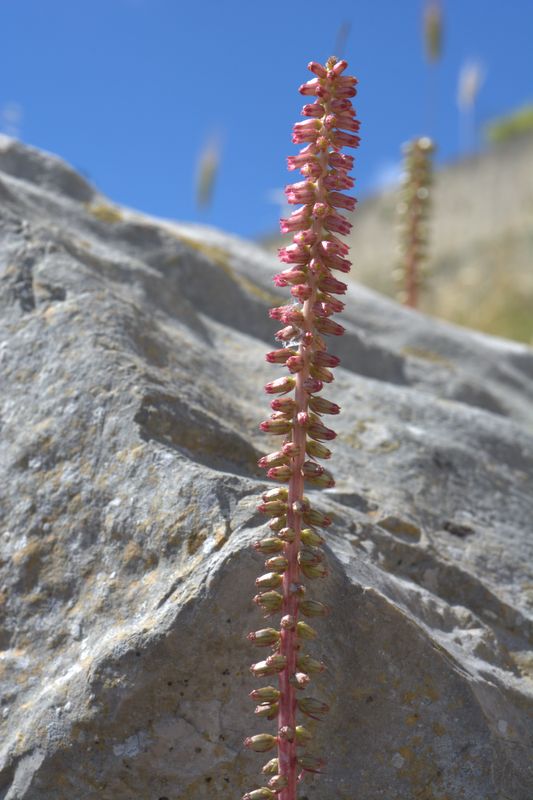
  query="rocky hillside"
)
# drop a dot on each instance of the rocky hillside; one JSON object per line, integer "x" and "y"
{"x": 131, "y": 365}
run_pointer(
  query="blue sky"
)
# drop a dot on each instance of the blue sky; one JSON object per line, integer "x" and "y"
{"x": 130, "y": 91}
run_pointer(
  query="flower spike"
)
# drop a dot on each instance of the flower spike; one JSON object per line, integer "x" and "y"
{"x": 314, "y": 258}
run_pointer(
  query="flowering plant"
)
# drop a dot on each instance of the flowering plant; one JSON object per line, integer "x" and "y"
{"x": 293, "y": 546}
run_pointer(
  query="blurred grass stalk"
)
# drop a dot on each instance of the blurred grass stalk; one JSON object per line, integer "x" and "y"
{"x": 413, "y": 211}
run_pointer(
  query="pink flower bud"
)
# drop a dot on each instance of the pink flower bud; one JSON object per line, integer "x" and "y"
{"x": 276, "y": 426}
{"x": 310, "y": 87}
{"x": 301, "y": 192}
{"x": 332, "y": 285}
{"x": 260, "y": 743}
{"x": 337, "y": 224}
{"x": 340, "y": 160}
{"x": 339, "y": 200}
{"x": 341, "y": 139}
{"x": 302, "y": 419}
{"x": 312, "y": 385}
{"x": 289, "y": 276}
{"x": 329, "y": 327}
{"x": 287, "y": 334}
{"x": 323, "y": 359}
{"x": 294, "y": 254}
{"x": 318, "y": 69}
{"x": 298, "y": 161}
{"x": 279, "y": 356}
{"x": 295, "y": 363}
{"x": 315, "y": 109}
{"x": 280, "y": 385}
{"x": 307, "y": 238}
{"x": 302, "y": 292}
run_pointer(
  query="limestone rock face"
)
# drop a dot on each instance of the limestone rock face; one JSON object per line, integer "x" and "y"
{"x": 131, "y": 371}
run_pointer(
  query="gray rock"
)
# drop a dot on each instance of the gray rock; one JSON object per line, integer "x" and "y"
{"x": 131, "y": 364}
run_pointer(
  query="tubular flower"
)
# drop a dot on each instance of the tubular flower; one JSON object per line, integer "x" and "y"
{"x": 314, "y": 257}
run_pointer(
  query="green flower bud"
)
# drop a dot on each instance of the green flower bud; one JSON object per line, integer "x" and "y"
{"x": 314, "y": 570}
{"x": 308, "y": 664}
{"x": 261, "y": 669}
{"x": 300, "y": 680}
{"x": 287, "y": 733}
{"x": 308, "y": 556}
{"x": 270, "y": 580}
{"x": 268, "y": 710}
{"x": 305, "y": 631}
{"x": 269, "y": 545}
{"x": 278, "y": 782}
{"x": 266, "y": 694}
{"x": 266, "y": 637}
{"x": 287, "y": 534}
{"x": 277, "y": 523}
{"x": 261, "y": 743}
{"x": 287, "y": 622}
{"x": 302, "y": 735}
{"x": 313, "y": 708}
{"x": 278, "y": 563}
{"x": 313, "y": 608}
{"x": 271, "y": 767}
{"x": 260, "y": 794}
{"x": 277, "y": 661}
{"x": 273, "y": 508}
{"x": 279, "y": 493}
{"x": 311, "y": 538}
{"x": 311, "y": 763}
{"x": 316, "y": 518}
{"x": 269, "y": 602}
